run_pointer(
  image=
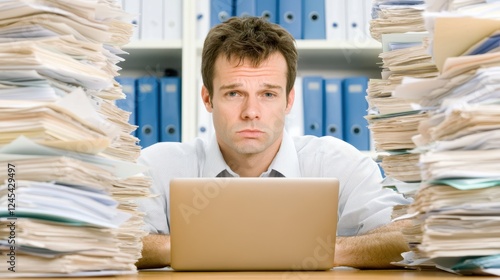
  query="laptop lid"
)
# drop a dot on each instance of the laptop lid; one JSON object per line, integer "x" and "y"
{"x": 253, "y": 223}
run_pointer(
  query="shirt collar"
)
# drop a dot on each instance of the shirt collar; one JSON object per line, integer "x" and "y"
{"x": 214, "y": 162}
{"x": 285, "y": 164}
{"x": 286, "y": 161}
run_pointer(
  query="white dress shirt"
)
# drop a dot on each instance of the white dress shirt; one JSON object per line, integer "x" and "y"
{"x": 363, "y": 204}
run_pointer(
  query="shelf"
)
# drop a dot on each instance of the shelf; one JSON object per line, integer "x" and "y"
{"x": 328, "y": 55}
{"x": 154, "y": 44}
{"x": 315, "y": 54}
{"x": 144, "y": 54}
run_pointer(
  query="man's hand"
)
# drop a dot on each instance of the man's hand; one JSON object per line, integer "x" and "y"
{"x": 155, "y": 251}
{"x": 376, "y": 249}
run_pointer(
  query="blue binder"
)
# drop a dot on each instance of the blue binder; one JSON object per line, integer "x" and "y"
{"x": 245, "y": 8}
{"x": 170, "y": 109}
{"x": 355, "y": 125}
{"x": 333, "y": 108}
{"x": 312, "y": 93}
{"x": 220, "y": 11}
{"x": 313, "y": 19}
{"x": 267, "y": 9}
{"x": 290, "y": 16}
{"x": 147, "y": 110}
{"x": 127, "y": 104}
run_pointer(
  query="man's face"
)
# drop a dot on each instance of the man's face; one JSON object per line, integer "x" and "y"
{"x": 249, "y": 104}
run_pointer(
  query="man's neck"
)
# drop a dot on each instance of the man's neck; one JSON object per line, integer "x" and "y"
{"x": 251, "y": 165}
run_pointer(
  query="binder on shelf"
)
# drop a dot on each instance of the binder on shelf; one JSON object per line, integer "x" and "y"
{"x": 335, "y": 18}
{"x": 313, "y": 19}
{"x": 367, "y": 17}
{"x": 356, "y": 27}
{"x": 133, "y": 7}
{"x": 355, "y": 105}
{"x": 205, "y": 126}
{"x": 267, "y": 9}
{"x": 290, "y": 16}
{"x": 333, "y": 108}
{"x": 172, "y": 20}
{"x": 294, "y": 121}
{"x": 202, "y": 19}
{"x": 147, "y": 110}
{"x": 170, "y": 109}
{"x": 220, "y": 11}
{"x": 151, "y": 20}
{"x": 127, "y": 104}
{"x": 313, "y": 105}
{"x": 245, "y": 8}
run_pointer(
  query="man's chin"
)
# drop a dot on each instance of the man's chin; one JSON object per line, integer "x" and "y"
{"x": 250, "y": 147}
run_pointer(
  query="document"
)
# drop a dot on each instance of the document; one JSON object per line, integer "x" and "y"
{"x": 452, "y": 29}
{"x": 460, "y": 164}
{"x": 459, "y": 122}
{"x": 488, "y": 265}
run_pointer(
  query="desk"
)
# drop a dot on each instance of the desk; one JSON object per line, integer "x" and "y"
{"x": 332, "y": 274}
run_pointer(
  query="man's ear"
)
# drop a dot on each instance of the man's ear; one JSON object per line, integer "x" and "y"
{"x": 290, "y": 100}
{"x": 206, "y": 99}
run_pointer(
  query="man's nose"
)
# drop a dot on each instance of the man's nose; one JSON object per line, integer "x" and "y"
{"x": 251, "y": 108}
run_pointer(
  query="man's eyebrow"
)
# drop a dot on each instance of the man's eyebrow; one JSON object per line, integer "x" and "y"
{"x": 235, "y": 85}
{"x": 230, "y": 86}
{"x": 272, "y": 86}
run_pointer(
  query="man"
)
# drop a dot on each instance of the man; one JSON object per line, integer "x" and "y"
{"x": 248, "y": 69}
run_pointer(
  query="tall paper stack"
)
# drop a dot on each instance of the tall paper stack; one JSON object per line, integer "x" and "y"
{"x": 456, "y": 208}
{"x": 69, "y": 182}
{"x": 393, "y": 121}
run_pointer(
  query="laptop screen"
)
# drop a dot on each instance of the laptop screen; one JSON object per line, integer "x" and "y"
{"x": 253, "y": 223}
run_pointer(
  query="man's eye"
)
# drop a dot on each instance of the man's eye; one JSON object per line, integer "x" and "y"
{"x": 232, "y": 93}
{"x": 269, "y": 94}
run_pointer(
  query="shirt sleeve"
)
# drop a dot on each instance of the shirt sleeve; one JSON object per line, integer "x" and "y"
{"x": 155, "y": 208}
{"x": 365, "y": 204}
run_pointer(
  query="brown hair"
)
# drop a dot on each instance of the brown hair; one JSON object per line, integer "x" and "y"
{"x": 249, "y": 38}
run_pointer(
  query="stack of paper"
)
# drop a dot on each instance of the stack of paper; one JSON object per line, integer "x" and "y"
{"x": 457, "y": 206}
{"x": 462, "y": 219}
{"x": 396, "y": 17}
{"x": 393, "y": 121}
{"x": 68, "y": 190}
{"x": 402, "y": 164}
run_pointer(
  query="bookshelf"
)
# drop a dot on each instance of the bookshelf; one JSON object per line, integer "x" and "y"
{"x": 319, "y": 57}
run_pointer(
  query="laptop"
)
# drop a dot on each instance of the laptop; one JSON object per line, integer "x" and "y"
{"x": 235, "y": 224}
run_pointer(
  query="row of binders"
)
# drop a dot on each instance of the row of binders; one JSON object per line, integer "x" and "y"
{"x": 334, "y": 107}
{"x": 155, "y": 106}
{"x": 155, "y": 19}
{"x": 304, "y": 19}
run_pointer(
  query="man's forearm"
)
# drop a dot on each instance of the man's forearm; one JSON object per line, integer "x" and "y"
{"x": 376, "y": 249}
{"x": 155, "y": 251}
